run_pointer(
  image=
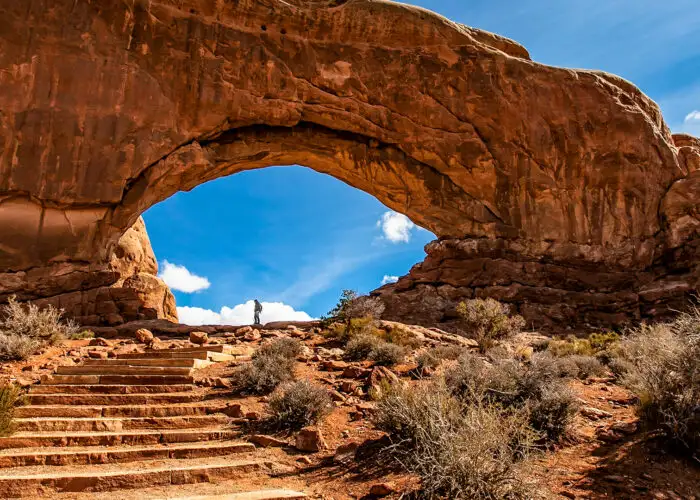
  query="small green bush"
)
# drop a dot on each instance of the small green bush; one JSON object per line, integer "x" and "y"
{"x": 401, "y": 336}
{"x": 487, "y": 321}
{"x": 601, "y": 341}
{"x": 85, "y": 334}
{"x": 11, "y": 396}
{"x": 552, "y": 412}
{"x": 588, "y": 366}
{"x": 353, "y": 306}
{"x": 570, "y": 347}
{"x": 298, "y": 404}
{"x": 386, "y": 354}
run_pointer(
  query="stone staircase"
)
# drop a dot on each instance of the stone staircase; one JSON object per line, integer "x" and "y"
{"x": 133, "y": 421}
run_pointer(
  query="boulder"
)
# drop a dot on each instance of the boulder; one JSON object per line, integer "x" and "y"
{"x": 310, "y": 439}
{"x": 381, "y": 378}
{"x": 381, "y": 490}
{"x": 144, "y": 336}
{"x": 266, "y": 441}
{"x": 199, "y": 338}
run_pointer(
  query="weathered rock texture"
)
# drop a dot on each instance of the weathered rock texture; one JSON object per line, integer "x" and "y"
{"x": 125, "y": 288}
{"x": 109, "y": 107}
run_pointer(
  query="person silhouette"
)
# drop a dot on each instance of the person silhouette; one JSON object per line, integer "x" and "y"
{"x": 258, "y": 309}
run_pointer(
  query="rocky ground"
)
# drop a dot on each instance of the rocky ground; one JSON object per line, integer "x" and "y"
{"x": 607, "y": 455}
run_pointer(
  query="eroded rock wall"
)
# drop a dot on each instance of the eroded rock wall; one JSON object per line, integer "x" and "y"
{"x": 125, "y": 288}
{"x": 565, "y": 285}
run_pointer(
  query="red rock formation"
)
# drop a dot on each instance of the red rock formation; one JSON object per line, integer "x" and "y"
{"x": 109, "y": 107}
{"x": 574, "y": 286}
{"x": 124, "y": 289}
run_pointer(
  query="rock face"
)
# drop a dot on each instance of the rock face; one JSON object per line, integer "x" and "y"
{"x": 516, "y": 166}
{"x": 125, "y": 288}
{"x": 569, "y": 285}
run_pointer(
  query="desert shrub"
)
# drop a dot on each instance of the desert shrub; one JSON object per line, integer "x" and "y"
{"x": 353, "y": 327}
{"x": 339, "y": 312}
{"x": 535, "y": 387}
{"x": 16, "y": 348}
{"x": 662, "y": 366}
{"x": 85, "y": 334}
{"x": 271, "y": 365}
{"x": 10, "y": 397}
{"x": 351, "y": 305}
{"x": 487, "y": 321}
{"x": 401, "y": 336}
{"x": 458, "y": 451}
{"x": 28, "y": 320}
{"x": 552, "y": 412}
{"x": 601, "y": 341}
{"x": 574, "y": 366}
{"x": 360, "y": 346}
{"x": 386, "y": 354}
{"x": 25, "y": 328}
{"x": 431, "y": 358}
{"x": 588, "y": 366}
{"x": 298, "y": 404}
{"x": 284, "y": 347}
{"x": 570, "y": 347}
{"x": 365, "y": 307}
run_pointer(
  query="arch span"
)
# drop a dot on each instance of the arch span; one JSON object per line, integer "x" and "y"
{"x": 534, "y": 177}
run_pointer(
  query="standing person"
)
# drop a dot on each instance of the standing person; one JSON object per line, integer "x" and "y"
{"x": 257, "y": 310}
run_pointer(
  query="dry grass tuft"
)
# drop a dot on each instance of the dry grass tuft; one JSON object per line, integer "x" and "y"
{"x": 11, "y": 396}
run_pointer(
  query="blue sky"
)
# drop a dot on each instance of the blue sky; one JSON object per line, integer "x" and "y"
{"x": 295, "y": 238}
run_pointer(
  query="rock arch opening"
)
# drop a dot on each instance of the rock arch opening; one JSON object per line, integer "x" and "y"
{"x": 288, "y": 236}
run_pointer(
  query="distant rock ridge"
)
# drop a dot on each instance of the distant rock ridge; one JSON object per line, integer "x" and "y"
{"x": 563, "y": 186}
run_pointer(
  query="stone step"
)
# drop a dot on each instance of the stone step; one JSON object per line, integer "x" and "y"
{"x": 117, "y": 424}
{"x": 249, "y": 495}
{"x": 84, "y": 411}
{"x": 164, "y": 354}
{"x": 95, "y": 399}
{"x": 117, "y": 379}
{"x": 31, "y": 482}
{"x": 131, "y": 438}
{"x": 92, "y": 455}
{"x": 122, "y": 370}
{"x": 109, "y": 389}
{"x": 160, "y": 362}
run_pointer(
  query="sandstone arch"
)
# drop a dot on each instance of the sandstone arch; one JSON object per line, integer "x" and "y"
{"x": 546, "y": 185}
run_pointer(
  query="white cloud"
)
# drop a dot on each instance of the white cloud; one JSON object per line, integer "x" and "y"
{"x": 693, "y": 116}
{"x": 241, "y": 314}
{"x": 181, "y": 279}
{"x": 396, "y": 227}
{"x": 389, "y": 279}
